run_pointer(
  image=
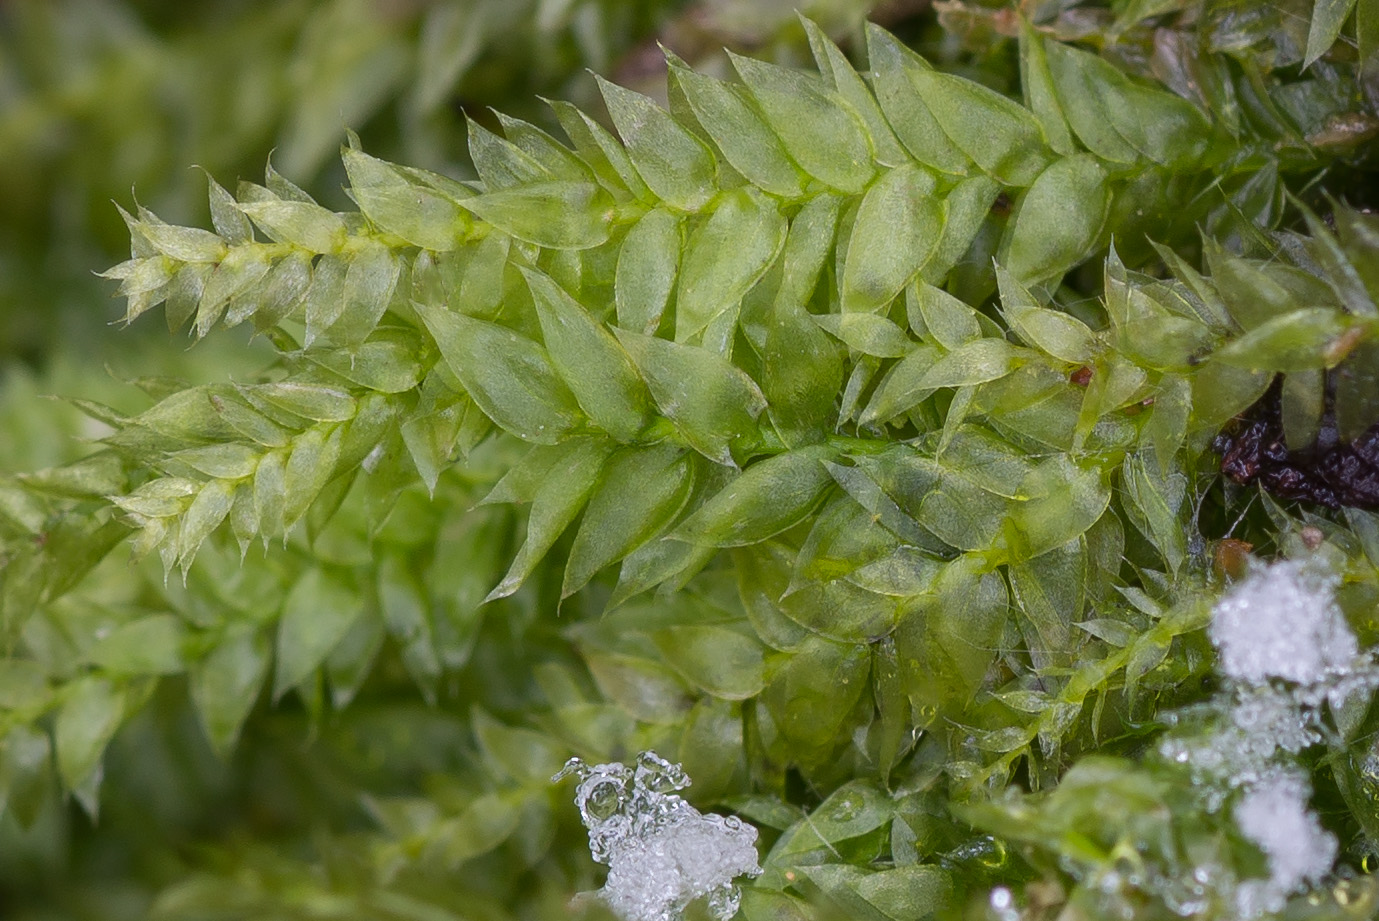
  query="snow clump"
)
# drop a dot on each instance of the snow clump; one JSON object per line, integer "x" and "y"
{"x": 661, "y": 852}
{"x": 1283, "y": 622}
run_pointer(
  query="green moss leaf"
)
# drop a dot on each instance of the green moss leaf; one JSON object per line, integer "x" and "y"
{"x": 801, "y": 111}
{"x": 898, "y": 224}
{"x": 770, "y": 496}
{"x": 591, "y": 361}
{"x": 641, "y": 491}
{"x": 725, "y": 256}
{"x": 712, "y": 402}
{"x": 675, "y": 165}
{"x": 509, "y": 376}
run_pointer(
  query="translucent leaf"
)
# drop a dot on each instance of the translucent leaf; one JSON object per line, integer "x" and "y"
{"x": 1328, "y": 17}
{"x": 316, "y": 402}
{"x": 499, "y": 163}
{"x": 277, "y": 296}
{"x": 901, "y": 389}
{"x": 396, "y": 203}
{"x": 641, "y": 491}
{"x": 309, "y": 226}
{"x": 664, "y": 562}
{"x": 368, "y": 290}
{"x": 204, "y": 515}
{"x": 721, "y": 662}
{"x": 1357, "y": 391}
{"x": 867, "y": 333}
{"x": 185, "y": 244}
{"x": 724, "y": 258}
{"x": 309, "y": 467}
{"x": 674, "y": 163}
{"x": 600, "y": 150}
{"x": 977, "y": 362}
{"x": 938, "y": 315}
{"x": 996, "y": 133}
{"x": 594, "y": 366}
{"x": 226, "y": 217}
{"x": 905, "y": 106}
{"x": 738, "y": 131}
{"x": 647, "y": 266}
{"x": 838, "y": 75}
{"x": 552, "y": 155}
{"x": 270, "y": 492}
{"x": 898, "y": 224}
{"x": 948, "y": 641}
{"x": 384, "y": 365}
{"x": 968, "y": 210}
{"x": 1058, "y": 221}
{"x": 1340, "y": 273}
{"x": 712, "y": 402}
{"x": 226, "y": 683}
{"x": 1154, "y": 504}
{"x": 1041, "y": 97}
{"x": 646, "y": 690}
{"x": 91, "y": 711}
{"x": 242, "y": 268}
{"x": 557, "y": 215}
{"x": 222, "y": 461}
{"x": 1051, "y": 331}
{"x": 811, "y": 696}
{"x": 1061, "y": 501}
{"x": 801, "y": 111}
{"x": 770, "y": 496}
{"x": 325, "y": 299}
{"x": 1120, "y": 119}
{"x": 914, "y": 891}
{"x": 1294, "y": 341}
{"x": 1303, "y": 400}
{"x": 561, "y": 493}
{"x": 509, "y": 376}
{"x": 316, "y": 615}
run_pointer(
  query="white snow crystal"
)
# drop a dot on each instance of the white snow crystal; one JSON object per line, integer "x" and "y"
{"x": 661, "y": 852}
{"x": 1274, "y": 815}
{"x": 1282, "y": 622}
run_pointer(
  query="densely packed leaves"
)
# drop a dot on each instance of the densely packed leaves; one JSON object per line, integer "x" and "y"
{"x": 855, "y": 490}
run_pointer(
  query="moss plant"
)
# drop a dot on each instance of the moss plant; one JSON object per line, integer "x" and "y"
{"x": 843, "y": 434}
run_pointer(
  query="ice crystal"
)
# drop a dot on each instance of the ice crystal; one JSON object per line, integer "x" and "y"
{"x": 1286, "y": 648}
{"x": 1283, "y": 622}
{"x": 661, "y": 852}
{"x": 1274, "y": 815}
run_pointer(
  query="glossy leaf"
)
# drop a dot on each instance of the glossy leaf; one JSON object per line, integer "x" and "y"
{"x": 591, "y": 361}
{"x": 768, "y": 497}
{"x": 647, "y": 267}
{"x": 711, "y": 402}
{"x": 674, "y": 163}
{"x": 723, "y": 259}
{"x": 739, "y": 132}
{"x": 1059, "y": 220}
{"x": 801, "y": 111}
{"x": 558, "y": 215}
{"x": 721, "y": 662}
{"x": 640, "y": 491}
{"x": 510, "y": 377}
{"x": 898, "y": 224}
